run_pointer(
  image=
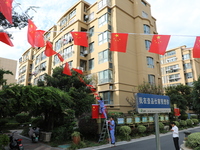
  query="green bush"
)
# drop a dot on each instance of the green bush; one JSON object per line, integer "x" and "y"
{"x": 193, "y": 140}
{"x": 194, "y": 116}
{"x": 125, "y": 131}
{"x": 59, "y": 134}
{"x": 37, "y": 122}
{"x": 197, "y": 148}
{"x": 183, "y": 123}
{"x": 189, "y": 122}
{"x": 22, "y": 117}
{"x": 4, "y": 140}
{"x": 115, "y": 114}
{"x": 77, "y": 146}
{"x": 88, "y": 127}
{"x": 177, "y": 123}
{"x": 161, "y": 126}
{"x": 3, "y": 121}
{"x": 12, "y": 125}
{"x": 141, "y": 128}
{"x": 195, "y": 121}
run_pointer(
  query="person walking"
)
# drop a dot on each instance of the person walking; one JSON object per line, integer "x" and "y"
{"x": 175, "y": 135}
{"x": 101, "y": 107}
{"x": 112, "y": 130}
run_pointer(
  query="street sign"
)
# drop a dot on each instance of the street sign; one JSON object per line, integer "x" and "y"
{"x": 150, "y": 103}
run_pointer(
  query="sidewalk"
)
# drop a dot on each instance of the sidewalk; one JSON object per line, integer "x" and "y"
{"x": 134, "y": 140}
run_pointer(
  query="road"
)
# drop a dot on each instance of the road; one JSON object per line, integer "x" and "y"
{"x": 150, "y": 144}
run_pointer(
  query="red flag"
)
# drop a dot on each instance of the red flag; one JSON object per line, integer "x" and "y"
{"x": 60, "y": 57}
{"x": 31, "y": 32}
{"x": 80, "y": 38}
{"x": 5, "y": 39}
{"x": 159, "y": 44}
{"x": 176, "y": 112}
{"x": 66, "y": 70}
{"x": 96, "y": 94}
{"x": 196, "y": 48}
{"x": 49, "y": 50}
{"x": 95, "y": 111}
{"x": 6, "y": 9}
{"x": 39, "y": 38}
{"x": 81, "y": 80}
{"x": 78, "y": 70}
{"x": 119, "y": 42}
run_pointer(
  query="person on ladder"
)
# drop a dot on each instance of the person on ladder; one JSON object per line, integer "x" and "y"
{"x": 101, "y": 107}
{"x": 112, "y": 130}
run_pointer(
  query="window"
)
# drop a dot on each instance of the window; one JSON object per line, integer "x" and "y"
{"x": 37, "y": 59}
{"x": 47, "y": 36}
{"x": 83, "y": 64}
{"x": 188, "y": 75}
{"x": 56, "y": 59}
{"x": 104, "y": 37}
{"x": 68, "y": 52}
{"x": 91, "y": 16}
{"x": 171, "y": 69}
{"x": 91, "y": 47}
{"x": 146, "y": 29}
{"x": 144, "y": 14}
{"x": 189, "y": 83}
{"x": 186, "y": 56}
{"x": 70, "y": 64}
{"x": 104, "y": 56}
{"x": 91, "y": 31}
{"x": 174, "y": 77}
{"x": 150, "y": 62}
{"x": 171, "y": 59}
{"x": 43, "y": 66}
{"x": 170, "y": 53}
{"x": 105, "y": 76}
{"x": 43, "y": 56}
{"x": 41, "y": 78}
{"x": 67, "y": 38}
{"x": 144, "y": 3}
{"x": 58, "y": 45}
{"x": 187, "y": 66}
{"x": 147, "y": 44}
{"x": 91, "y": 64}
{"x": 107, "y": 97}
{"x": 82, "y": 49}
{"x": 35, "y": 81}
{"x": 72, "y": 14}
{"x": 103, "y": 3}
{"x": 105, "y": 19}
{"x": 151, "y": 79}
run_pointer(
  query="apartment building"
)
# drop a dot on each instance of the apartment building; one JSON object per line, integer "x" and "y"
{"x": 179, "y": 67}
{"x": 11, "y": 65}
{"x": 117, "y": 74}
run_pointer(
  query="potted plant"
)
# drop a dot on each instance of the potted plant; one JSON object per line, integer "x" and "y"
{"x": 76, "y": 137}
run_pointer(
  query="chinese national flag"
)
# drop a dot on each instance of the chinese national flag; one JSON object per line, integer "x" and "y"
{"x": 6, "y": 9}
{"x": 176, "y": 112}
{"x": 39, "y": 38}
{"x": 31, "y": 33}
{"x": 5, "y": 39}
{"x": 119, "y": 42}
{"x": 96, "y": 94}
{"x": 49, "y": 50}
{"x": 95, "y": 112}
{"x": 78, "y": 70}
{"x": 66, "y": 70}
{"x": 196, "y": 48}
{"x": 60, "y": 57}
{"x": 159, "y": 44}
{"x": 80, "y": 38}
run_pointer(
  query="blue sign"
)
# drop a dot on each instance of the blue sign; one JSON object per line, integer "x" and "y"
{"x": 150, "y": 103}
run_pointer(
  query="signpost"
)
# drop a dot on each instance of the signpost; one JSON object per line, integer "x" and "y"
{"x": 153, "y": 104}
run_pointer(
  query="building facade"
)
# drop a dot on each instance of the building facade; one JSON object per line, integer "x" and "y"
{"x": 11, "y": 65}
{"x": 179, "y": 67}
{"x": 116, "y": 75}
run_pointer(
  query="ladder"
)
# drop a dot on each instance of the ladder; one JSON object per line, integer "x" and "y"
{"x": 103, "y": 131}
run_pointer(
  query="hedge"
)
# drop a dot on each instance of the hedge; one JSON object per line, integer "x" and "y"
{"x": 193, "y": 140}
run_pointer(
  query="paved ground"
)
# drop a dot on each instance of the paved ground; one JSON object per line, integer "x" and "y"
{"x": 28, "y": 145}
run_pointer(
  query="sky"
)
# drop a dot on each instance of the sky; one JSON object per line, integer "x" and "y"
{"x": 178, "y": 18}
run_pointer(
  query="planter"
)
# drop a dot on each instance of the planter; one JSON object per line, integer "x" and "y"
{"x": 46, "y": 136}
{"x": 76, "y": 139}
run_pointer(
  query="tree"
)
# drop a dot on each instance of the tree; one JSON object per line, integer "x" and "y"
{"x": 80, "y": 94}
{"x": 2, "y": 80}
{"x": 196, "y": 96}
{"x": 179, "y": 95}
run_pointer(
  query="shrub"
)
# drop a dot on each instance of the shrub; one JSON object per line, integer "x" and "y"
{"x": 134, "y": 131}
{"x": 37, "y": 122}
{"x": 77, "y": 146}
{"x": 197, "y": 148}
{"x": 193, "y": 140}
{"x": 88, "y": 127}
{"x": 195, "y": 121}
{"x": 141, "y": 128}
{"x": 59, "y": 134}
{"x": 3, "y": 121}
{"x": 12, "y": 125}
{"x": 161, "y": 126}
{"x": 125, "y": 131}
{"x": 189, "y": 122}
{"x": 194, "y": 116}
{"x": 4, "y": 140}
{"x": 22, "y": 117}
{"x": 177, "y": 123}
{"x": 183, "y": 123}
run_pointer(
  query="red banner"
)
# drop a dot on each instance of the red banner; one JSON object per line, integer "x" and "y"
{"x": 177, "y": 112}
{"x": 95, "y": 112}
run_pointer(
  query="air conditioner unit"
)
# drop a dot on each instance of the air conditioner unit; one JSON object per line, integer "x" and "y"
{"x": 85, "y": 52}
